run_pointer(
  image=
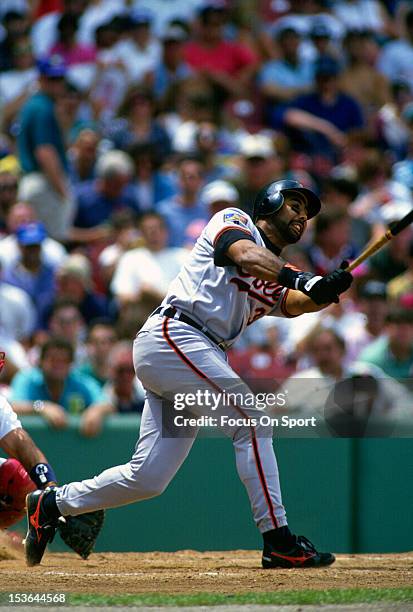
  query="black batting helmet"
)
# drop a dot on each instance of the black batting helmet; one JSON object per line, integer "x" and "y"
{"x": 271, "y": 198}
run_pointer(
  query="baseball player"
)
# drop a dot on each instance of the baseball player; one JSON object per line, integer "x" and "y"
{"x": 234, "y": 276}
{"x": 25, "y": 470}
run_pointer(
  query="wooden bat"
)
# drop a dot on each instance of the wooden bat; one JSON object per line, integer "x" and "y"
{"x": 394, "y": 229}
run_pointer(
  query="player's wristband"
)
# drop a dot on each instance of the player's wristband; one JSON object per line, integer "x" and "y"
{"x": 287, "y": 277}
{"x": 293, "y": 279}
{"x": 42, "y": 474}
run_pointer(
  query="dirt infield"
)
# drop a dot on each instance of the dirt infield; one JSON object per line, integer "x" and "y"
{"x": 190, "y": 571}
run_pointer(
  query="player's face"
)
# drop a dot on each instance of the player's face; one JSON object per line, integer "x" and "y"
{"x": 291, "y": 219}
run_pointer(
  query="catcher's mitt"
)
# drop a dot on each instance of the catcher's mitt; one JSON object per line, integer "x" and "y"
{"x": 80, "y": 532}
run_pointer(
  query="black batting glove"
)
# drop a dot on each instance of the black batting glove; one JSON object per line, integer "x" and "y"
{"x": 320, "y": 289}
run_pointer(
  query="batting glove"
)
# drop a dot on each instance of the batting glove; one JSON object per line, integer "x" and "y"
{"x": 321, "y": 289}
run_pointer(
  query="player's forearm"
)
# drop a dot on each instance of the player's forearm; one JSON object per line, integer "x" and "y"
{"x": 298, "y": 303}
{"x": 18, "y": 444}
{"x": 255, "y": 260}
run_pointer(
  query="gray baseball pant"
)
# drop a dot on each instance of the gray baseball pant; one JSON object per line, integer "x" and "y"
{"x": 171, "y": 356}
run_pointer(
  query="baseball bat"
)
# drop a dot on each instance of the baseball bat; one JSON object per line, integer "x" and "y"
{"x": 394, "y": 229}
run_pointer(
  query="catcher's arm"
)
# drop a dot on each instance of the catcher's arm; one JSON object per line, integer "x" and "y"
{"x": 18, "y": 444}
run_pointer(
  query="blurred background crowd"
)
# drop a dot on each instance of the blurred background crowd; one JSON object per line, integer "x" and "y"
{"x": 125, "y": 124}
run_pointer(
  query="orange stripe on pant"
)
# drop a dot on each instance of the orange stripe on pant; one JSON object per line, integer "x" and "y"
{"x": 201, "y": 374}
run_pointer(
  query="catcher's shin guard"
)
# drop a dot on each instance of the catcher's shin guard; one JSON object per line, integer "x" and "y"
{"x": 41, "y": 526}
{"x": 303, "y": 554}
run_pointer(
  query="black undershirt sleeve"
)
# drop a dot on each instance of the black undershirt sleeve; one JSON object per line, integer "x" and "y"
{"x": 224, "y": 242}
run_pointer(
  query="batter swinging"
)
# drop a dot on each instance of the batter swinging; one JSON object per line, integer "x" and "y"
{"x": 234, "y": 276}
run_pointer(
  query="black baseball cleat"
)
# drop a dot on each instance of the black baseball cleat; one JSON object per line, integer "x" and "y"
{"x": 303, "y": 554}
{"x": 41, "y": 527}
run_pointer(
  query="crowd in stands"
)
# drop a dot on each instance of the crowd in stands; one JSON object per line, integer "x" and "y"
{"x": 126, "y": 124}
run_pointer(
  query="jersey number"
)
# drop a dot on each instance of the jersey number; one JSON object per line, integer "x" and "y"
{"x": 257, "y": 314}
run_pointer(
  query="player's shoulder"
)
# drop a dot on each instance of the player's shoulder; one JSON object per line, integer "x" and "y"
{"x": 232, "y": 216}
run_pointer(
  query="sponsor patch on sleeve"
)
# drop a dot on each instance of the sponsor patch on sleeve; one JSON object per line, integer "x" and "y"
{"x": 235, "y": 217}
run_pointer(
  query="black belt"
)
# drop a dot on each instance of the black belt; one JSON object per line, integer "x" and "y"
{"x": 170, "y": 312}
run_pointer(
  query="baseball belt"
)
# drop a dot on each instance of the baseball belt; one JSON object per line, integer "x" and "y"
{"x": 172, "y": 313}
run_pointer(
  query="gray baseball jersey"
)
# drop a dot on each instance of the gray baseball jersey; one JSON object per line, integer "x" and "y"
{"x": 224, "y": 299}
{"x": 171, "y": 354}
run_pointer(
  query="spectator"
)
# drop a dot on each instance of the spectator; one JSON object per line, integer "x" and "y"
{"x": 331, "y": 243}
{"x": 82, "y": 157}
{"x": 140, "y": 51}
{"x": 402, "y": 284}
{"x": 185, "y": 207}
{"x": 123, "y": 391}
{"x": 45, "y": 30}
{"x": 338, "y": 193}
{"x": 151, "y": 183}
{"x": 8, "y": 194}
{"x": 143, "y": 274}
{"x": 323, "y": 40}
{"x": 52, "y": 252}
{"x": 207, "y": 144}
{"x": 29, "y": 272}
{"x": 52, "y": 390}
{"x": 72, "y": 52}
{"x": 396, "y": 58}
{"x": 289, "y": 75}
{"x": 393, "y": 123}
{"x": 110, "y": 81}
{"x": 393, "y": 352}
{"x": 361, "y": 328}
{"x": 262, "y": 365}
{"x": 379, "y": 192}
{"x": 66, "y": 322}
{"x": 171, "y": 68}
{"x": 215, "y": 196}
{"x": 68, "y": 111}
{"x": 324, "y": 118}
{"x": 15, "y": 25}
{"x": 139, "y": 125}
{"x": 402, "y": 171}
{"x": 218, "y": 195}
{"x": 392, "y": 259}
{"x": 363, "y": 15}
{"x": 259, "y": 166}
{"x": 100, "y": 342}
{"x": 17, "y": 313}
{"x": 360, "y": 79}
{"x": 97, "y": 200}
{"x": 42, "y": 152}
{"x": 226, "y": 66}
{"x": 20, "y": 81}
{"x": 125, "y": 236}
{"x": 74, "y": 282}
{"x": 321, "y": 388}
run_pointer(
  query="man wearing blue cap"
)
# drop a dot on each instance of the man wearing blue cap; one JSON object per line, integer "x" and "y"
{"x": 29, "y": 273}
{"x": 42, "y": 153}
